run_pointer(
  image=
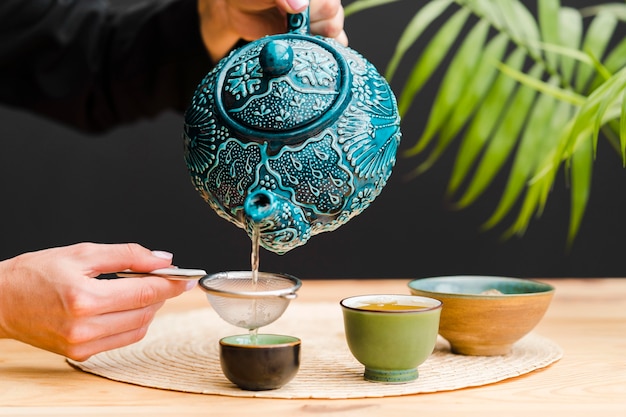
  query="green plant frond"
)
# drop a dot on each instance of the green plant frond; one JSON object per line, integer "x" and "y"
{"x": 564, "y": 51}
{"x": 520, "y": 25}
{"x": 617, "y": 9}
{"x": 614, "y": 61}
{"x": 413, "y": 31}
{"x": 622, "y": 129}
{"x": 608, "y": 112}
{"x": 461, "y": 68}
{"x": 535, "y": 141}
{"x": 484, "y": 123}
{"x": 581, "y": 173}
{"x": 500, "y": 145}
{"x": 552, "y": 146}
{"x": 528, "y": 209}
{"x": 474, "y": 90}
{"x": 553, "y": 159}
{"x": 433, "y": 54}
{"x": 510, "y": 17}
{"x": 610, "y": 132}
{"x": 546, "y": 183}
{"x": 594, "y": 109}
{"x": 543, "y": 87}
{"x": 360, "y": 5}
{"x": 586, "y": 57}
{"x": 486, "y": 9}
{"x": 597, "y": 38}
{"x": 599, "y": 120}
{"x": 512, "y": 125}
{"x": 570, "y": 35}
{"x": 602, "y": 71}
{"x": 616, "y": 58}
{"x": 485, "y": 119}
{"x": 533, "y": 204}
{"x": 577, "y": 131}
{"x": 548, "y": 11}
{"x": 543, "y": 108}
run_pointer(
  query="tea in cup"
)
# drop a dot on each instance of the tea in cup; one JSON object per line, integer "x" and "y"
{"x": 390, "y": 334}
{"x": 260, "y": 362}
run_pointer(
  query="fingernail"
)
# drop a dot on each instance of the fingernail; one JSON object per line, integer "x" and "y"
{"x": 190, "y": 285}
{"x": 298, "y": 4}
{"x": 162, "y": 254}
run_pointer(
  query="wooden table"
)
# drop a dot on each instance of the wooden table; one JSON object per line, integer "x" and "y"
{"x": 587, "y": 318}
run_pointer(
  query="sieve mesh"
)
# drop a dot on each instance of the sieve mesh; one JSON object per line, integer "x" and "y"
{"x": 241, "y": 282}
{"x": 240, "y": 301}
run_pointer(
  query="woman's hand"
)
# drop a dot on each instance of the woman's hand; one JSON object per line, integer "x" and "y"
{"x": 51, "y": 299}
{"x": 225, "y": 22}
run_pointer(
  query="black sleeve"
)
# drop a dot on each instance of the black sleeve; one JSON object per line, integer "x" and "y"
{"x": 89, "y": 65}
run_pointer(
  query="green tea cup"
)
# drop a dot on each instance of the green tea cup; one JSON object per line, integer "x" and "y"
{"x": 391, "y": 334}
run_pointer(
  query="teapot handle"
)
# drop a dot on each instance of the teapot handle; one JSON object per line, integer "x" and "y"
{"x": 299, "y": 23}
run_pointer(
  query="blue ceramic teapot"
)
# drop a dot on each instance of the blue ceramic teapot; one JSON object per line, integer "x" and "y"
{"x": 292, "y": 134}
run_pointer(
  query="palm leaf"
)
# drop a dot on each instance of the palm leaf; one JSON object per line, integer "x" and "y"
{"x": 570, "y": 36}
{"x": 414, "y": 29}
{"x": 617, "y": 9}
{"x": 549, "y": 25}
{"x": 582, "y": 161}
{"x": 500, "y": 144}
{"x": 450, "y": 113}
{"x": 592, "y": 112}
{"x": 532, "y": 94}
{"x": 483, "y": 124}
{"x": 548, "y": 115}
{"x": 615, "y": 60}
{"x": 521, "y": 26}
{"x": 430, "y": 60}
{"x": 596, "y": 41}
{"x": 361, "y": 5}
{"x": 622, "y": 129}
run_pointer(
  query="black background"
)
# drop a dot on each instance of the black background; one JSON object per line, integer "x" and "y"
{"x": 60, "y": 187}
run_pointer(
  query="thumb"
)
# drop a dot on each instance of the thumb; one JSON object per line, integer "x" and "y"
{"x": 293, "y": 6}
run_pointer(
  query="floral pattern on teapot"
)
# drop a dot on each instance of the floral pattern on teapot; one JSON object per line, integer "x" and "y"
{"x": 296, "y": 143}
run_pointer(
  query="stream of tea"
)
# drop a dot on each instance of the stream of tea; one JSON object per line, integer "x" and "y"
{"x": 254, "y": 267}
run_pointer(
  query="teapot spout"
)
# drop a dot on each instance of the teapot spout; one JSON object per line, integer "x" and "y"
{"x": 282, "y": 224}
{"x": 259, "y": 205}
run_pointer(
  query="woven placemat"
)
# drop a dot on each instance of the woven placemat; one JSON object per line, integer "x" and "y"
{"x": 180, "y": 353}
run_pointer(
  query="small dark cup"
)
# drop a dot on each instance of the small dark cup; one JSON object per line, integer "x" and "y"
{"x": 261, "y": 362}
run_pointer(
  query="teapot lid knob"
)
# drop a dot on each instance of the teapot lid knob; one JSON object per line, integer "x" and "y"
{"x": 276, "y": 58}
{"x": 282, "y": 88}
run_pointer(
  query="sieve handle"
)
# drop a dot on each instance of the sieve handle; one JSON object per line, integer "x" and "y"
{"x": 169, "y": 273}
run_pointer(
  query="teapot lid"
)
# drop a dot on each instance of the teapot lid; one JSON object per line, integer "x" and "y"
{"x": 283, "y": 87}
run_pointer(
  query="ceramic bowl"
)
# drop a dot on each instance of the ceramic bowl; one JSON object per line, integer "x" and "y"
{"x": 260, "y": 362}
{"x": 485, "y": 315}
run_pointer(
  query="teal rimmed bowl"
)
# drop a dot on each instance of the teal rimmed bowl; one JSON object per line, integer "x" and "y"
{"x": 485, "y": 315}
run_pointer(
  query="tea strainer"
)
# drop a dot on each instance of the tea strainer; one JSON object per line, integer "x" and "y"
{"x": 244, "y": 303}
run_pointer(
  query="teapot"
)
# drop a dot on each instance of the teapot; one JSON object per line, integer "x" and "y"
{"x": 291, "y": 135}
